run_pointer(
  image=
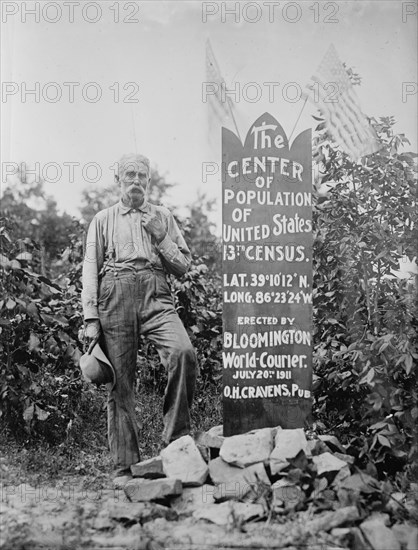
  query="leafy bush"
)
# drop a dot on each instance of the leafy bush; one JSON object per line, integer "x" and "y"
{"x": 39, "y": 351}
{"x": 365, "y": 318}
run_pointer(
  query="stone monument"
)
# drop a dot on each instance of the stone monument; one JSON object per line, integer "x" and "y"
{"x": 267, "y": 278}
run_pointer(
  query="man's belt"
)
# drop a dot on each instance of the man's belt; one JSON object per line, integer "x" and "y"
{"x": 133, "y": 269}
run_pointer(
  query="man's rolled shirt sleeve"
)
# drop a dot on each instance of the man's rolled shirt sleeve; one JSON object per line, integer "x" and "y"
{"x": 174, "y": 250}
{"x": 93, "y": 263}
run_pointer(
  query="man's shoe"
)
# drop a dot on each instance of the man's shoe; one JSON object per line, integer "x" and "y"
{"x": 121, "y": 477}
{"x": 120, "y": 482}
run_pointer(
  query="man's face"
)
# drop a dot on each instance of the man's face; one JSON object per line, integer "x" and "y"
{"x": 134, "y": 183}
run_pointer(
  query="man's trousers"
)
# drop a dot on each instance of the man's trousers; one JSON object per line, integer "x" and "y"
{"x": 140, "y": 303}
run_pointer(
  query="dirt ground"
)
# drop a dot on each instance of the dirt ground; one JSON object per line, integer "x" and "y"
{"x": 83, "y": 512}
{"x": 51, "y": 503}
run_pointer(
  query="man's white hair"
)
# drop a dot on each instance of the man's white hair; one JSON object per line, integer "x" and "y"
{"x": 132, "y": 160}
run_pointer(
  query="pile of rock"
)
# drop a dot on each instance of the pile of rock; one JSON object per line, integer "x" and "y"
{"x": 265, "y": 473}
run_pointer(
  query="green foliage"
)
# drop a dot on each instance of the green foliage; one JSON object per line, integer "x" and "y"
{"x": 38, "y": 218}
{"x": 365, "y": 318}
{"x": 199, "y": 305}
{"x": 199, "y": 232}
{"x": 39, "y": 350}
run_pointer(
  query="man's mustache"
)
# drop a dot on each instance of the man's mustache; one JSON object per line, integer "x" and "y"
{"x": 135, "y": 188}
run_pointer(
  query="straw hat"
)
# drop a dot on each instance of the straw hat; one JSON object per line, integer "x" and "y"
{"x": 96, "y": 367}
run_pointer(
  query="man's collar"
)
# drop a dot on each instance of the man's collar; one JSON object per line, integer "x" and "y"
{"x": 125, "y": 209}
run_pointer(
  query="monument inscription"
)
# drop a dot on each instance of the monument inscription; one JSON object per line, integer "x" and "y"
{"x": 267, "y": 278}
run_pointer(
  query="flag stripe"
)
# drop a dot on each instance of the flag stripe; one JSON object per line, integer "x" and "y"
{"x": 220, "y": 108}
{"x": 341, "y": 107}
{"x": 353, "y": 121}
{"x": 217, "y": 101}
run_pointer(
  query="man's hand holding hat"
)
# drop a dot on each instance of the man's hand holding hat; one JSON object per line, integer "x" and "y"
{"x": 92, "y": 333}
{"x": 95, "y": 366}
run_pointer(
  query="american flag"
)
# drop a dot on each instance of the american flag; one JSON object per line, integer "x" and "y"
{"x": 220, "y": 106}
{"x": 333, "y": 94}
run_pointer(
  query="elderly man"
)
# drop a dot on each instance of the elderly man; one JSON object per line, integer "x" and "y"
{"x": 130, "y": 248}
